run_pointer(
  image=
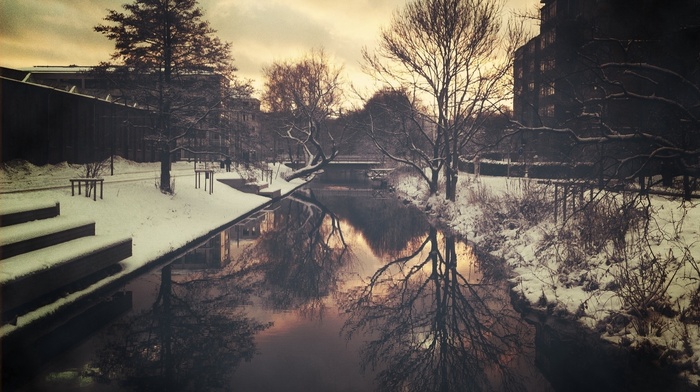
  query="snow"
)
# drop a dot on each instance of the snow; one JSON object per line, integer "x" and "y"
{"x": 23, "y": 206}
{"x": 23, "y": 265}
{"x": 18, "y": 233}
{"x": 158, "y": 223}
{"x": 132, "y": 207}
{"x": 546, "y": 283}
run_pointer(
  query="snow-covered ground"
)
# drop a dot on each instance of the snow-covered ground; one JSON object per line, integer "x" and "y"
{"x": 593, "y": 289}
{"x": 588, "y": 290}
{"x": 133, "y": 207}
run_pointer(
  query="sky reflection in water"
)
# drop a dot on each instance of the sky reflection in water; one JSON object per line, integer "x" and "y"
{"x": 331, "y": 286}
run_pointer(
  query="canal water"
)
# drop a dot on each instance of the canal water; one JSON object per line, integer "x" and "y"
{"x": 330, "y": 289}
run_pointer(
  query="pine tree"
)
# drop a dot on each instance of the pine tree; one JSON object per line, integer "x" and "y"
{"x": 169, "y": 58}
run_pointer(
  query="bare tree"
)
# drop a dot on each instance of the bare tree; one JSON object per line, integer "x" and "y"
{"x": 624, "y": 96}
{"x": 303, "y": 96}
{"x": 454, "y": 56}
{"x": 632, "y": 128}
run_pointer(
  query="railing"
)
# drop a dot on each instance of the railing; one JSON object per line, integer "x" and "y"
{"x": 357, "y": 158}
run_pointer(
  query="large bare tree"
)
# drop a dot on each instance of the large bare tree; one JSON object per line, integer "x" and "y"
{"x": 173, "y": 61}
{"x": 454, "y": 56}
{"x": 303, "y": 96}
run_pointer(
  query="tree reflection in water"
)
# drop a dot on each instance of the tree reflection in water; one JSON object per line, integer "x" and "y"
{"x": 192, "y": 338}
{"x": 300, "y": 261}
{"x": 433, "y": 329}
{"x": 196, "y": 333}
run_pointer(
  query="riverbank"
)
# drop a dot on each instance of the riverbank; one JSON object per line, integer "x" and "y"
{"x": 557, "y": 275}
{"x": 132, "y": 205}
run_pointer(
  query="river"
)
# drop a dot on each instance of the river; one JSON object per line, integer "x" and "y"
{"x": 330, "y": 289}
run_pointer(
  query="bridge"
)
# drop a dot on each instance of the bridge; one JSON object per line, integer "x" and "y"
{"x": 353, "y": 169}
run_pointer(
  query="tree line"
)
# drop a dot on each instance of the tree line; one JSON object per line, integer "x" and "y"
{"x": 446, "y": 70}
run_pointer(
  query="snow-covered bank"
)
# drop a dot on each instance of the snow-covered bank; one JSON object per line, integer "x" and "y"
{"x": 132, "y": 206}
{"x": 643, "y": 297}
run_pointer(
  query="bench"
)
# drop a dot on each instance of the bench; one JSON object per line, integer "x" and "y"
{"x": 88, "y": 182}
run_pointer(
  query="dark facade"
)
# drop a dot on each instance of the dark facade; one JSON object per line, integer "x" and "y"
{"x": 55, "y": 114}
{"x": 590, "y": 62}
{"x": 44, "y": 125}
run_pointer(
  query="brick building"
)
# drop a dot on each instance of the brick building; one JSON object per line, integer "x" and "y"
{"x": 592, "y": 62}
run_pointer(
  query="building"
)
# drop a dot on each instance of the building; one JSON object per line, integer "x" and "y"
{"x": 48, "y": 124}
{"x": 65, "y": 99}
{"x": 591, "y": 64}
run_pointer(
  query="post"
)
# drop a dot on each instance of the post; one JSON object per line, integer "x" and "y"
{"x": 556, "y": 201}
{"x": 566, "y": 191}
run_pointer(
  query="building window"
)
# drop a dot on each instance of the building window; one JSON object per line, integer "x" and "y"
{"x": 546, "y": 90}
{"x": 547, "y": 111}
{"x": 548, "y": 12}
{"x": 518, "y": 73}
{"x": 548, "y": 38}
{"x": 547, "y": 65}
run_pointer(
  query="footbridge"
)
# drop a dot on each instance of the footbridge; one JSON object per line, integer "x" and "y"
{"x": 354, "y": 168}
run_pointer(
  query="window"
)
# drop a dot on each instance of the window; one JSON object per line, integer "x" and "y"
{"x": 546, "y": 90}
{"x": 548, "y": 38}
{"x": 547, "y": 111}
{"x": 547, "y": 65}
{"x": 548, "y": 12}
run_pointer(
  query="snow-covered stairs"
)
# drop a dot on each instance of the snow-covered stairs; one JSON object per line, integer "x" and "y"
{"x": 44, "y": 255}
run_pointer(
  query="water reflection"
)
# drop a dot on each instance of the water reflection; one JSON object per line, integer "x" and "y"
{"x": 278, "y": 287}
{"x": 435, "y": 328}
{"x": 301, "y": 260}
{"x": 192, "y": 338}
{"x": 387, "y": 226}
{"x": 197, "y": 331}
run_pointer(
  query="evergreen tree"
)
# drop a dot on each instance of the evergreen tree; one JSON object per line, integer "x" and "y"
{"x": 170, "y": 59}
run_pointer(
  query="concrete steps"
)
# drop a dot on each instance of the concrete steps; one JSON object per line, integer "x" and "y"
{"x": 26, "y": 213}
{"x": 43, "y": 259}
{"x": 30, "y": 236}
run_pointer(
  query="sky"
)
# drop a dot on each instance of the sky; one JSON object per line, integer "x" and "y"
{"x": 60, "y": 32}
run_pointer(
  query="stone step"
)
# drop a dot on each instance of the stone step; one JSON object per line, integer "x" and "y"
{"x": 16, "y": 213}
{"x": 30, "y": 276}
{"x": 30, "y": 236}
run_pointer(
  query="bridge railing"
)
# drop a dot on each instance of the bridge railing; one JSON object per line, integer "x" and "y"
{"x": 358, "y": 158}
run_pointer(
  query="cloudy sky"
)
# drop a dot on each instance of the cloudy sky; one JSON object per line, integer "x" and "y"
{"x": 60, "y": 32}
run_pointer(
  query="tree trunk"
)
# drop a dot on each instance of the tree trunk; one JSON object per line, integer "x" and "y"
{"x": 165, "y": 170}
{"x": 434, "y": 179}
